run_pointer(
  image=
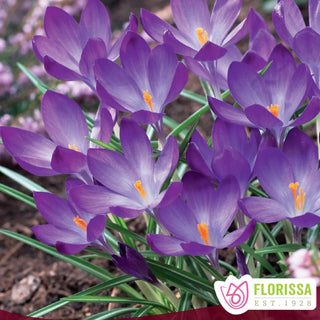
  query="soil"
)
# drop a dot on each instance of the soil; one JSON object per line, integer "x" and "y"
{"x": 52, "y": 278}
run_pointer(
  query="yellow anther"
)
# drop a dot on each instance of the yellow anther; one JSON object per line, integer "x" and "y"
{"x": 202, "y": 36}
{"x": 204, "y": 232}
{"x": 73, "y": 147}
{"x": 140, "y": 189}
{"x": 298, "y": 199}
{"x": 148, "y": 99}
{"x": 80, "y": 223}
{"x": 274, "y": 109}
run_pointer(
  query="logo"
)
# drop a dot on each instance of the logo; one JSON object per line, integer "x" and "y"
{"x": 240, "y": 295}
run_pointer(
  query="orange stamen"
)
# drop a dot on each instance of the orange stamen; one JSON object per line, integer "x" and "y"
{"x": 140, "y": 189}
{"x": 202, "y": 36}
{"x": 147, "y": 98}
{"x": 73, "y": 147}
{"x": 273, "y": 109}
{"x": 204, "y": 232}
{"x": 80, "y": 223}
{"x": 298, "y": 199}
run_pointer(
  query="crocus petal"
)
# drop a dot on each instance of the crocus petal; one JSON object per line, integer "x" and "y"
{"x": 170, "y": 194}
{"x": 72, "y": 183}
{"x": 223, "y": 16}
{"x": 196, "y": 249}
{"x": 64, "y": 121}
{"x": 287, "y": 20}
{"x": 94, "y": 49}
{"x": 95, "y": 22}
{"x": 179, "y": 46}
{"x": 190, "y": 15}
{"x": 137, "y": 150}
{"x": 70, "y": 248}
{"x": 165, "y": 245}
{"x": 95, "y": 227}
{"x": 275, "y": 174}
{"x": 125, "y": 212}
{"x": 59, "y": 71}
{"x": 314, "y": 15}
{"x": 167, "y": 160}
{"x": 210, "y": 52}
{"x": 263, "y": 209}
{"x": 107, "y": 100}
{"x": 32, "y": 151}
{"x": 115, "y": 49}
{"x": 247, "y": 86}
{"x": 115, "y": 80}
{"x": 134, "y": 55}
{"x": 306, "y": 220}
{"x": 261, "y": 117}
{"x": 68, "y": 161}
{"x": 197, "y": 68}
{"x": 229, "y": 112}
{"x": 310, "y": 112}
{"x": 61, "y": 27}
{"x": 145, "y": 117}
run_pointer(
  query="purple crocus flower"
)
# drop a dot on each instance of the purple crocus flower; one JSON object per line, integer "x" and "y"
{"x": 232, "y": 154}
{"x": 68, "y": 230}
{"x": 132, "y": 262}
{"x": 294, "y": 191}
{"x": 270, "y": 101}
{"x": 69, "y": 50}
{"x": 305, "y": 41}
{"x": 130, "y": 183}
{"x": 198, "y": 35}
{"x": 150, "y": 79}
{"x": 66, "y": 125}
{"x": 200, "y": 219}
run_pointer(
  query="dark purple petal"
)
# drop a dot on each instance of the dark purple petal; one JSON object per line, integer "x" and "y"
{"x": 165, "y": 245}
{"x": 61, "y": 27}
{"x": 68, "y": 161}
{"x": 180, "y": 46}
{"x": 64, "y": 121}
{"x": 287, "y": 20}
{"x": 306, "y": 220}
{"x": 125, "y": 212}
{"x": 229, "y": 113}
{"x": 96, "y": 227}
{"x": 261, "y": 117}
{"x": 239, "y": 236}
{"x": 32, "y": 151}
{"x": 134, "y": 55}
{"x": 170, "y": 194}
{"x": 70, "y": 248}
{"x": 94, "y": 49}
{"x": 95, "y": 22}
{"x": 241, "y": 262}
{"x": 210, "y": 52}
{"x": 132, "y": 262}
{"x": 196, "y": 249}
{"x": 145, "y": 117}
{"x": 197, "y": 68}
{"x": 247, "y": 86}
{"x": 59, "y": 71}
{"x": 263, "y": 209}
{"x": 72, "y": 183}
{"x": 311, "y": 111}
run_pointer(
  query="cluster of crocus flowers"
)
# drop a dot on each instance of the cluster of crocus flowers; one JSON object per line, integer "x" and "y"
{"x": 205, "y": 211}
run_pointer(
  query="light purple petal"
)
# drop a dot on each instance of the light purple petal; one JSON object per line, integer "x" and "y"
{"x": 32, "y": 151}
{"x": 288, "y": 20}
{"x": 145, "y": 117}
{"x": 61, "y": 27}
{"x": 196, "y": 249}
{"x": 306, "y": 220}
{"x": 197, "y": 68}
{"x": 314, "y": 15}
{"x": 180, "y": 46}
{"x": 125, "y": 212}
{"x": 64, "y": 121}
{"x": 95, "y": 228}
{"x": 95, "y": 22}
{"x": 170, "y": 194}
{"x": 210, "y": 52}
{"x": 223, "y": 16}
{"x": 261, "y": 117}
{"x": 311, "y": 111}
{"x": 263, "y": 209}
{"x": 165, "y": 245}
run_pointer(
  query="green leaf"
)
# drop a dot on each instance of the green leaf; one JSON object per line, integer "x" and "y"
{"x": 142, "y": 312}
{"x": 75, "y": 261}
{"x": 185, "y": 301}
{"x": 102, "y": 299}
{"x": 184, "y": 144}
{"x": 280, "y": 248}
{"x": 17, "y": 195}
{"x": 23, "y": 181}
{"x": 93, "y": 290}
{"x": 193, "y": 96}
{"x": 111, "y": 314}
{"x": 172, "y": 124}
{"x": 34, "y": 79}
{"x": 102, "y": 144}
{"x": 204, "y": 264}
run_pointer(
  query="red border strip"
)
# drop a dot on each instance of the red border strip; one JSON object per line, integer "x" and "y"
{"x": 213, "y": 313}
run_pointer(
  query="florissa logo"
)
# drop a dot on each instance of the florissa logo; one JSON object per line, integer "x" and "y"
{"x": 240, "y": 295}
